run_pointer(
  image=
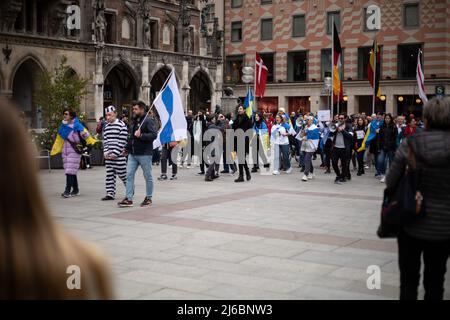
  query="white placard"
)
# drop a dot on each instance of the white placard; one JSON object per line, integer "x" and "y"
{"x": 360, "y": 134}
{"x": 323, "y": 115}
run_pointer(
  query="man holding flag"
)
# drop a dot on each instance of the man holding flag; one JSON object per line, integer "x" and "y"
{"x": 140, "y": 150}
{"x": 144, "y": 138}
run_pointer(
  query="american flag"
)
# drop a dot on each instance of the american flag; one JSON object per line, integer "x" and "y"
{"x": 420, "y": 79}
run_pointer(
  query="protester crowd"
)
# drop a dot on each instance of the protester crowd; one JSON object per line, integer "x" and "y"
{"x": 345, "y": 144}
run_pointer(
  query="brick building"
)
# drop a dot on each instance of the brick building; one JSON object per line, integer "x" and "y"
{"x": 294, "y": 39}
{"x": 126, "y": 48}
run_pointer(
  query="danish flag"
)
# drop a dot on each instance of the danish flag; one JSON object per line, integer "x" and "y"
{"x": 261, "y": 73}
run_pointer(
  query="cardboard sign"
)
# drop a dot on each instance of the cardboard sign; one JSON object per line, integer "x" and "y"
{"x": 323, "y": 115}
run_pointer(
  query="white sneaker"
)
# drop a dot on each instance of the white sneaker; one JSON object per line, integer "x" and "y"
{"x": 180, "y": 166}
{"x": 289, "y": 170}
{"x": 188, "y": 166}
{"x": 304, "y": 178}
{"x": 383, "y": 179}
{"x": 276, "y": 172}
{"x": 310, "y": 176}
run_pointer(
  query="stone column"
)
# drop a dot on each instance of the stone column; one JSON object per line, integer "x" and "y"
{"x": 144, "y": 94}
{"x": 185, "y": 84}
{"x": 98, "y": 83}
{"x": 390, "y": 103}
{"x": 314, "y": 104}
{"x": 351, "y": 105}
{"x": 218, "y": 86}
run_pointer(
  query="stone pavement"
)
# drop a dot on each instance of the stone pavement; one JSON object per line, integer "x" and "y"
{"x": 274, "y": 237}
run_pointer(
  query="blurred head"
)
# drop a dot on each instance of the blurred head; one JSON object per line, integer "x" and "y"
{"x": 279, "y": 119}
{"x": 111, "y": 114}
{"x": 138, "y": 109}
{"x": 436, "y": 114}
{"x": 412, "y": 122}
{"x": 257, "y": 117}
{"x": 341, "y": 117}
{"x": 388, "y": 118}
{"x": 34, "y": 251}
{"x": 190, "y": 113}
{"x": 360, "y": 121}
{"x": 400, "y": 120}
{"x": 241, "y": 110}
{"x": 69, "y": 115}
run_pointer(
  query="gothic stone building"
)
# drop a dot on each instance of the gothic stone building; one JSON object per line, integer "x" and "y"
{"x": 126, "y": 48}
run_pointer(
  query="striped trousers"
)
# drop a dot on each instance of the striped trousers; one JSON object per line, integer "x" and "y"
{"x": 116, "y": 167}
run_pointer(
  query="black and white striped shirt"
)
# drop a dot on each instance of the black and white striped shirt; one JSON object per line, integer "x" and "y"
{"x": 115, "y": 136}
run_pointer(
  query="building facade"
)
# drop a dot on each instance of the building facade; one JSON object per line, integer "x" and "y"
{"x": 125, "y": 48}
{"x": 293, "y": 38}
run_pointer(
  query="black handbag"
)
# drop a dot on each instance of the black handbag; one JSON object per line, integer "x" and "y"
{"x": 78, "y": 147}
{"x": 405, "y": 204}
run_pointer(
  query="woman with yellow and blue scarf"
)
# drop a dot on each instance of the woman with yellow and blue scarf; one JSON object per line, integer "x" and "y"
{"x": 69, "y": 142}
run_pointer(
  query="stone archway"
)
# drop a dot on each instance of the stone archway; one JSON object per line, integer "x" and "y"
{"x": 120, "y": 88}
{"x": 158, "y": 80}
{"x": 200, "y": 93}
{"x": 24, "y": 84}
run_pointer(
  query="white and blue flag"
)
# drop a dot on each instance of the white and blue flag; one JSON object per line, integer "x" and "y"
{"x": 171, "y": 113}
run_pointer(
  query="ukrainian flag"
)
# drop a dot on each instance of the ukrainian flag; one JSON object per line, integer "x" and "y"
{"x": 248, "y": 103}
{"x": 370, "y": 134}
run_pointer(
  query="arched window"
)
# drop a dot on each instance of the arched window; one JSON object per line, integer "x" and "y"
{"x": 125, "y": 29}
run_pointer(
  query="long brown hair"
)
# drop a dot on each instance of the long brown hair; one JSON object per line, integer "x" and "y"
{"x": 35, "y": 252}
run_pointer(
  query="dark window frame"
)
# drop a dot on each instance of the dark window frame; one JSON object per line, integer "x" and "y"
{"x": 301, "y": 15}
{"x": 261, "y": 29}
{"x": 329, "y": 28}
{"x": 289, "y": 56}
{"x": 405, "y": 6}
{"x": 233, "y": 23}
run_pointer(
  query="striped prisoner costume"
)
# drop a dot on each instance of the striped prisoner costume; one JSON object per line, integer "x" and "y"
{"x": 115, "y": 137}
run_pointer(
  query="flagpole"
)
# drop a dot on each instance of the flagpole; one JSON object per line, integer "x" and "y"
{"x": 153, "y": 102}
{"x": 375, "y": 56}
{"x": 332, "y": 67}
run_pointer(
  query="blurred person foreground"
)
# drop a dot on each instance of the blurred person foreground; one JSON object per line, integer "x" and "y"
{"x": 38, "y": 259}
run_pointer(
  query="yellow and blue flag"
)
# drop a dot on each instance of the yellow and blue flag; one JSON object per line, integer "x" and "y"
{"x": 248, "y": 103}
{"x": 370, "y": 134}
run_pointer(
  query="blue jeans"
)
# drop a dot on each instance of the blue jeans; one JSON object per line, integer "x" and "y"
{"x": 381, "y": 160}
{"x": 281, "y": 151}
{"x": 134, "y": 161}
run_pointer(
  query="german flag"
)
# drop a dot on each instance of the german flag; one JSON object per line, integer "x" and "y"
{"x": 375, "y": 79}
{"x": 338, "y": 91}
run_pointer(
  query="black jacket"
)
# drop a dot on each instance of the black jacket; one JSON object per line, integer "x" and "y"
{"x": 144, "y": 144}
{"x": 387, "y": 137}
{"x": 348, "y": 136}
{"x": 432, "y": 149}
{"x": 243, "y": 122}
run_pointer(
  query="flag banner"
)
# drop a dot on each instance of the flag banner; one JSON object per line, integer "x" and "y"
{"x": 338, "y": 90}
{"x": 370, "y": 134}
{"x": 374, "y": 69}
{"x": 171, "y": 113}
{"x": 261, "y": 74}
{"x": 421, "y": 79}
{"x": 248, "y": 103}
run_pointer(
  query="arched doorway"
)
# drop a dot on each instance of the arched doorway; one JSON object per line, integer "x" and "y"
{"x": 158, "y": 81}
{"x": 200, "y": 92}
{"x": 24, "y": 85}
{"x": 120, "y": 89}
